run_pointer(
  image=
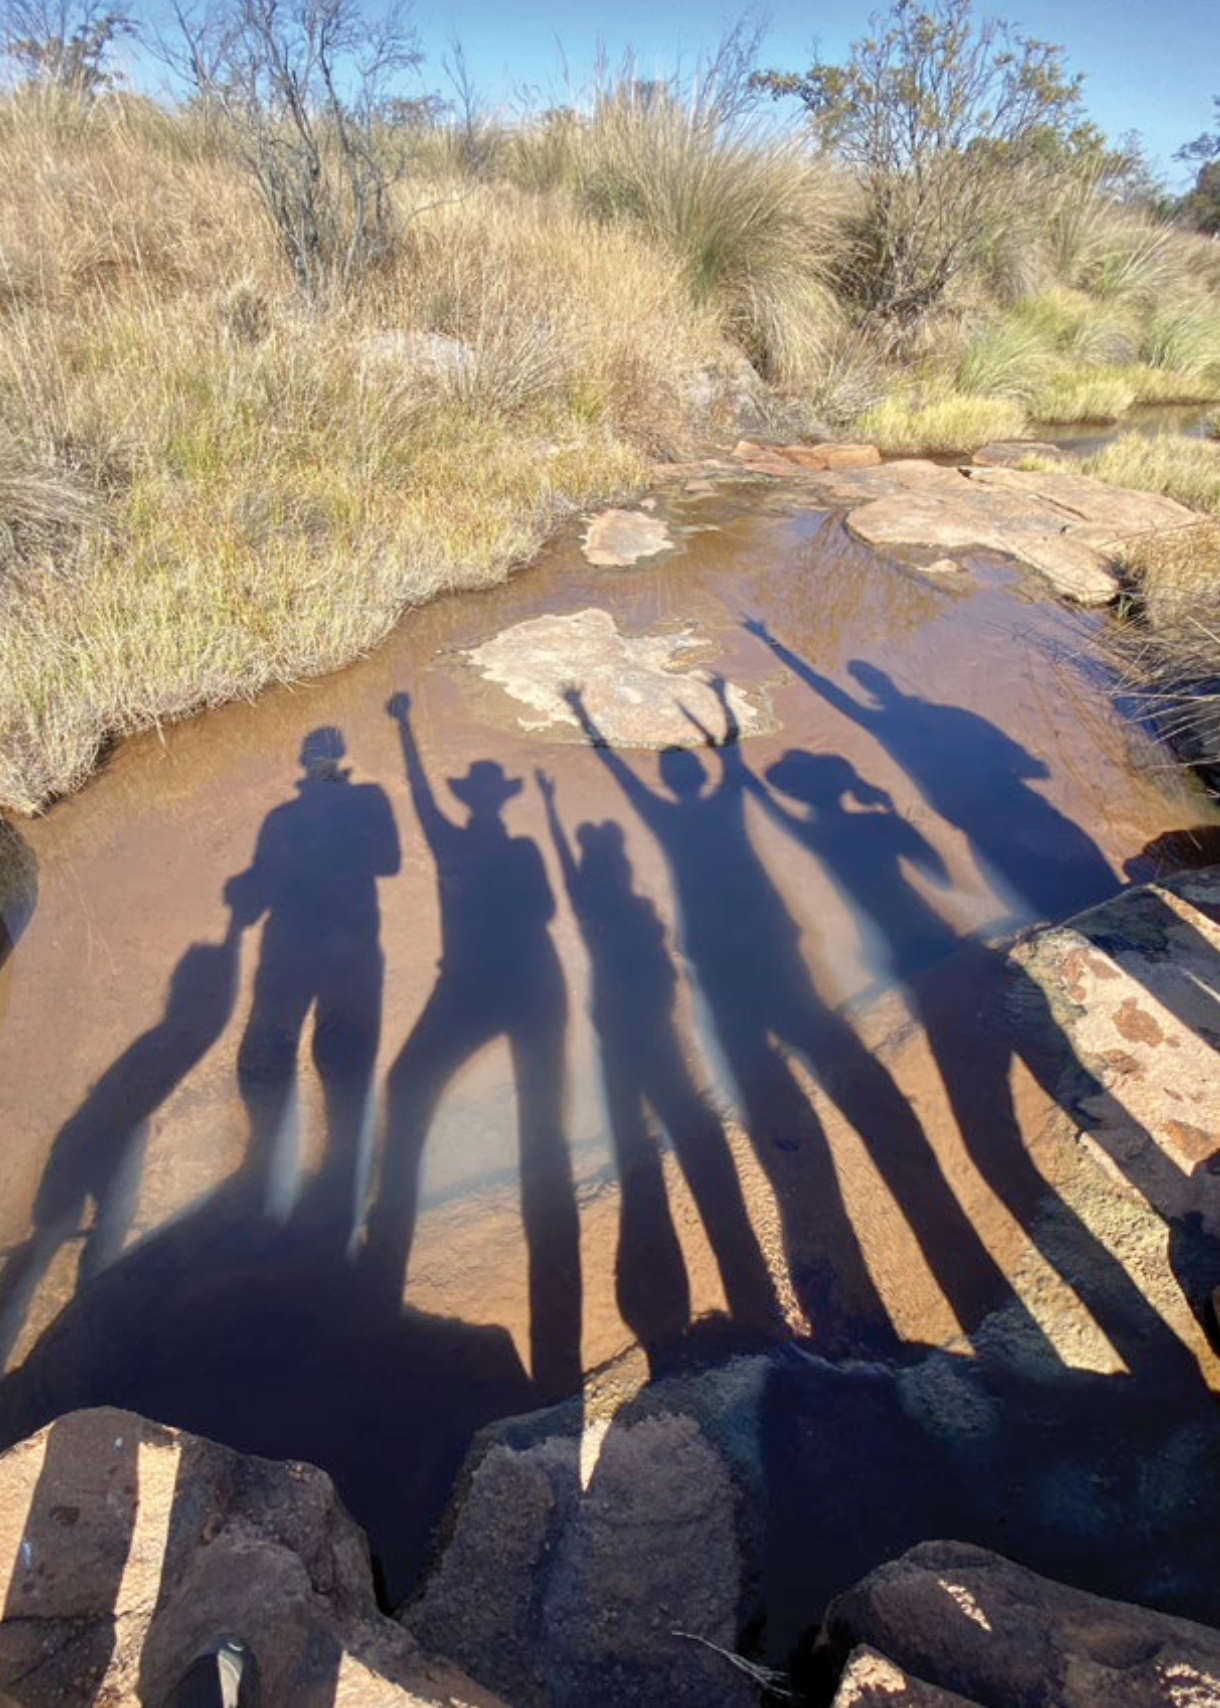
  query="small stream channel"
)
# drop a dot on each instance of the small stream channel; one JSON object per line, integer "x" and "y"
{"x": 230, "y": 950}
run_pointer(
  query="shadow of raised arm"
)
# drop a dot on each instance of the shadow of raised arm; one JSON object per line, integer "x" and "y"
{"x": 630, "y": 784}
{"x": 830, "y": 691}
{"x": 567, "y": 862}
{"x": 433, "y": 821}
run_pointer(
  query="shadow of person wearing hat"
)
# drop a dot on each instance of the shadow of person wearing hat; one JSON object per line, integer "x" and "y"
{"x": 314, "y": 874}
{"x": 500, "y": 976}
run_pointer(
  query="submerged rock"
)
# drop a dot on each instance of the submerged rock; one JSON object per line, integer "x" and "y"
{"x": 633, "y": 688}
{"x": 129, "y": 1550}
{"x": 976, "y": 1624}
{"x": 1009, "y": 453}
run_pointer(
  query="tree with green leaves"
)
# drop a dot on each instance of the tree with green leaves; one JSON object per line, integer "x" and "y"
{"x": 936, "y": 112}
{"x": 1200, "y": 207}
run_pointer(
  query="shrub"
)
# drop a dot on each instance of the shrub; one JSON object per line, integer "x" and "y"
{"x": 936, "y": 112}
{"x": 754, "y": 222}
{"x": 300, "y": 91}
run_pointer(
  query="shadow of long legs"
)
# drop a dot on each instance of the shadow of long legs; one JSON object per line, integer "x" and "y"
{"x": 548, "y": 1198}
{"x": 1017, "y": 1025}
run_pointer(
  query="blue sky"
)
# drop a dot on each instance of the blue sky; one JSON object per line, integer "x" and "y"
{"x": 1149, "y": 65}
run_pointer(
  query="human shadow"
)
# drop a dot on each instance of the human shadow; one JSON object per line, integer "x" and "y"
{"x": 977, "y": 779}
{"x": 500, "y": 976}
{"x": 743, "y": 945}
{"x": 98, "y": 1154}
{"x": 981, "y": 1015}
{"x": 634, "y": 991}
{"x": 269, "y": 1337}
{"x": 314, "y": 875}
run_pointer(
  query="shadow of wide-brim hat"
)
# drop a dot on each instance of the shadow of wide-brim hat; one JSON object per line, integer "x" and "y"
{"x": 485, "y": 785}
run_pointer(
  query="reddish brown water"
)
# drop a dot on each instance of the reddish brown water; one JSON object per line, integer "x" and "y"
{"x": 952, "y": 766}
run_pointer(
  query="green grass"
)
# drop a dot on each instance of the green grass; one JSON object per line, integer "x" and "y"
{"x": 1183, "y": 468}
{"x": 902, "y": 427}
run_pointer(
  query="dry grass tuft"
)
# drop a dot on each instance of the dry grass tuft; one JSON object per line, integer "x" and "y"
{"x": 205, "y": 489}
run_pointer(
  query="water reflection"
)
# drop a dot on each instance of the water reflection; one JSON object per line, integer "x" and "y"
{"x": 499, "y": 977}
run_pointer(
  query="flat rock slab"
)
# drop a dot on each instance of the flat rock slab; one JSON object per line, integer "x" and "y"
{"x": 1135, "y": 986}
{"x": 1071, "y": 529}
{"x": 979, "y": 1625}
{"x": 616, "y": 539}
{"x": 633, "y": 688}
{"x": 790, "y": 459}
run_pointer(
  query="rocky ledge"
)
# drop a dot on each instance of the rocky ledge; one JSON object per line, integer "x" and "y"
{"x": 1071, "y": 529}
{"x": 128, "y": 1550}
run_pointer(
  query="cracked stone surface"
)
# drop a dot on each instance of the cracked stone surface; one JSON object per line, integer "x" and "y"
{"x": 1133, "y": 986}
{"x": 634, "y": 689}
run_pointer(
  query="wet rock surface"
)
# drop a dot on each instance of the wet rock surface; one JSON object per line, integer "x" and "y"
{"x": 132, "y": 1549}
{"x": 615, "y": 539}
{"x": 970, "y": 1622}
{"x": 1066, "y": 526}
{"x": 633, "y": 688}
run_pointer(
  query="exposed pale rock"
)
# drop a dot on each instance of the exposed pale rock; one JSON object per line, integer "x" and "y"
{"x": 425, "y": 352}
{"x": 615, "y": 539}
{"x": 1068, "y": 527}
{"x": 633, "y": 688}
{"x": 556, "y": 1594}
{"x": 1123, "y": 512}
{"x": 975, "y": 1623}
{"x": 128, "y": 1549}
{"x": 871, "y": 1680}
{"x": 730, "y": 394}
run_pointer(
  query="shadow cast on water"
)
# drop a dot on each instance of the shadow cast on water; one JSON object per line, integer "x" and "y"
{"x": 248, "y": 1318}
{"x": 499, "y": 976}
{"x": 314, "y": 878}
{"x": 273, "y": 1317}
{"x": 633, "y": 999}
{"x": 744, "y": 947}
